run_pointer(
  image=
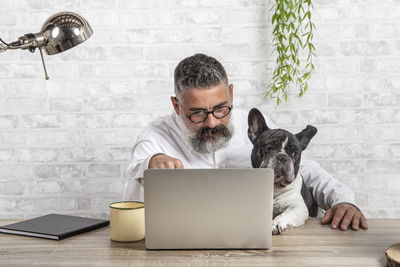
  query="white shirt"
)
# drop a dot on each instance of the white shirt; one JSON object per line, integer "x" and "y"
{"x": 164, "y": 136}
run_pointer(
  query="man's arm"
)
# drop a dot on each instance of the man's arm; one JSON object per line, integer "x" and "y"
{"x": 142, "y": 152}
{"x": 145, "y": 155}
{"x": 333, "y": 196}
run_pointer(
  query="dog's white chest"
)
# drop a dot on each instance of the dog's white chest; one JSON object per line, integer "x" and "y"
{"x": 289, "y": 207}
{"x": 288, "y": 195}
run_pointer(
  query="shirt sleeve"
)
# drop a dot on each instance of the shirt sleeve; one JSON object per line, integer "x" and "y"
{"x": 142, "y": 152}
{"x": 326, "y": 190}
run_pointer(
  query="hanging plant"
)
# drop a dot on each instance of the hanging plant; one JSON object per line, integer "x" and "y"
{"x": 292, "y": 39}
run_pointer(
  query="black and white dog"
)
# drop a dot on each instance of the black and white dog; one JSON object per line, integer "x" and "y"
{"x": 281, "y": 151}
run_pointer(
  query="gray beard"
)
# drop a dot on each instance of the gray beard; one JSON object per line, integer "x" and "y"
{"x": 205, "y": 146}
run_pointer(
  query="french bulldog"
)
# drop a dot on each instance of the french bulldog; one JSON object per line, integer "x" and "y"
{"x": 281, "y": 151}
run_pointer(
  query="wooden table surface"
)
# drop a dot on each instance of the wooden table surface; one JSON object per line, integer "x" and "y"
{"x": 309, "y": 245}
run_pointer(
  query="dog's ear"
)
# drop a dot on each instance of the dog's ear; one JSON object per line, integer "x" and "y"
{"x": 257, "y": 124}
{"x": 306, "y": 135}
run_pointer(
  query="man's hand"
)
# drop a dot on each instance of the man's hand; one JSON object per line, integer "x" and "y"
{"x": 162, "y": 161}
{"x": 345, "y": 214}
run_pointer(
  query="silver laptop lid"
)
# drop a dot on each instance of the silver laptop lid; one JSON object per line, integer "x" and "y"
{"x": 208, "y": 208}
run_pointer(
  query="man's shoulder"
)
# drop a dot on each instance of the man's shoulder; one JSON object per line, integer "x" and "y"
{"x": 162, "y": 121}
{"x": 159, "y": 126}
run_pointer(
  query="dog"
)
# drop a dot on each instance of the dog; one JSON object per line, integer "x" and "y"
{"x": 281, "y": 151}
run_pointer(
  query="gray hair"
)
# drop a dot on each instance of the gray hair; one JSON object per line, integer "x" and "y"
{"x": 197, "y": 72}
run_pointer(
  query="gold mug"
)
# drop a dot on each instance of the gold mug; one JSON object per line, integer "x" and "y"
{"x": 127, "y": 221}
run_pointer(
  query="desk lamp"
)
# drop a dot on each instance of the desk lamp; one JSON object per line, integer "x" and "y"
{"x": 59, "y": 33}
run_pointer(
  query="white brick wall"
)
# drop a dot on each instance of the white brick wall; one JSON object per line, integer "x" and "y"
{"x": 65, "y": 143}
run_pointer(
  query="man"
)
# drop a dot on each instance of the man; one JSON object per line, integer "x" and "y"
{"x": 205, "y": 131}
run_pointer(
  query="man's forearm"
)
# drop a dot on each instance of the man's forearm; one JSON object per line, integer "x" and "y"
{"x": 326, "y": 190}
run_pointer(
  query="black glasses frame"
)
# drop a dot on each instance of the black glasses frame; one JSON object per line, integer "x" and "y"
{"x": 206, "y": 112}
{"x": 209, "y": 112}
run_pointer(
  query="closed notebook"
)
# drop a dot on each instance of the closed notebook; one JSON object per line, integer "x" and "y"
{"x": 53, "y": 226}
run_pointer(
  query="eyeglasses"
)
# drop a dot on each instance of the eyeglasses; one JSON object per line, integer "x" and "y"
{"x": 201, "y": 115}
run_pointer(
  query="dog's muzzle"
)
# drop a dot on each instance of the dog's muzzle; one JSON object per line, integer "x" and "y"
{"x": 282, "y": 165}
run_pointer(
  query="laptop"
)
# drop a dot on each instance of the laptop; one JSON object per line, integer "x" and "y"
{"x": 208, "y": 208}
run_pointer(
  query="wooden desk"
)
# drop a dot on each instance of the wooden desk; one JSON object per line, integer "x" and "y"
{"x": 311, "y": 244}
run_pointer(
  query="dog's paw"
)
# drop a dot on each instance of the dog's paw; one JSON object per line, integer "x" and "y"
{"x": 277, "y": 228}
{"x": 279, "y": 225}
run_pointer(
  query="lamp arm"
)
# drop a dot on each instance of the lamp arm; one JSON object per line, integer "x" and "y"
{"x": 3, "y": 46}
{"x": 28, "y": 41}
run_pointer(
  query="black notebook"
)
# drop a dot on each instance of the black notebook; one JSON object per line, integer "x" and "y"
{"x": 53, "y": 226}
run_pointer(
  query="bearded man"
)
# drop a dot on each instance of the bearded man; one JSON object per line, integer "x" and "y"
{"x": 204, "y": 131}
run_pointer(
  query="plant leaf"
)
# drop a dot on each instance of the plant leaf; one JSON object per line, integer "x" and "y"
{"x": 292, "y": 38}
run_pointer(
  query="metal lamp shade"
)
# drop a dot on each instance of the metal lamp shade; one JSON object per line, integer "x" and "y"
{"x": 65, "y": 30}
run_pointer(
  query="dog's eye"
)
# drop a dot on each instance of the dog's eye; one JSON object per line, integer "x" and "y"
{"x": 266, "y": 149}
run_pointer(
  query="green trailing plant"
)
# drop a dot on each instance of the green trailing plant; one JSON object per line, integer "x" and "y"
{"x": 292, "y": 40}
